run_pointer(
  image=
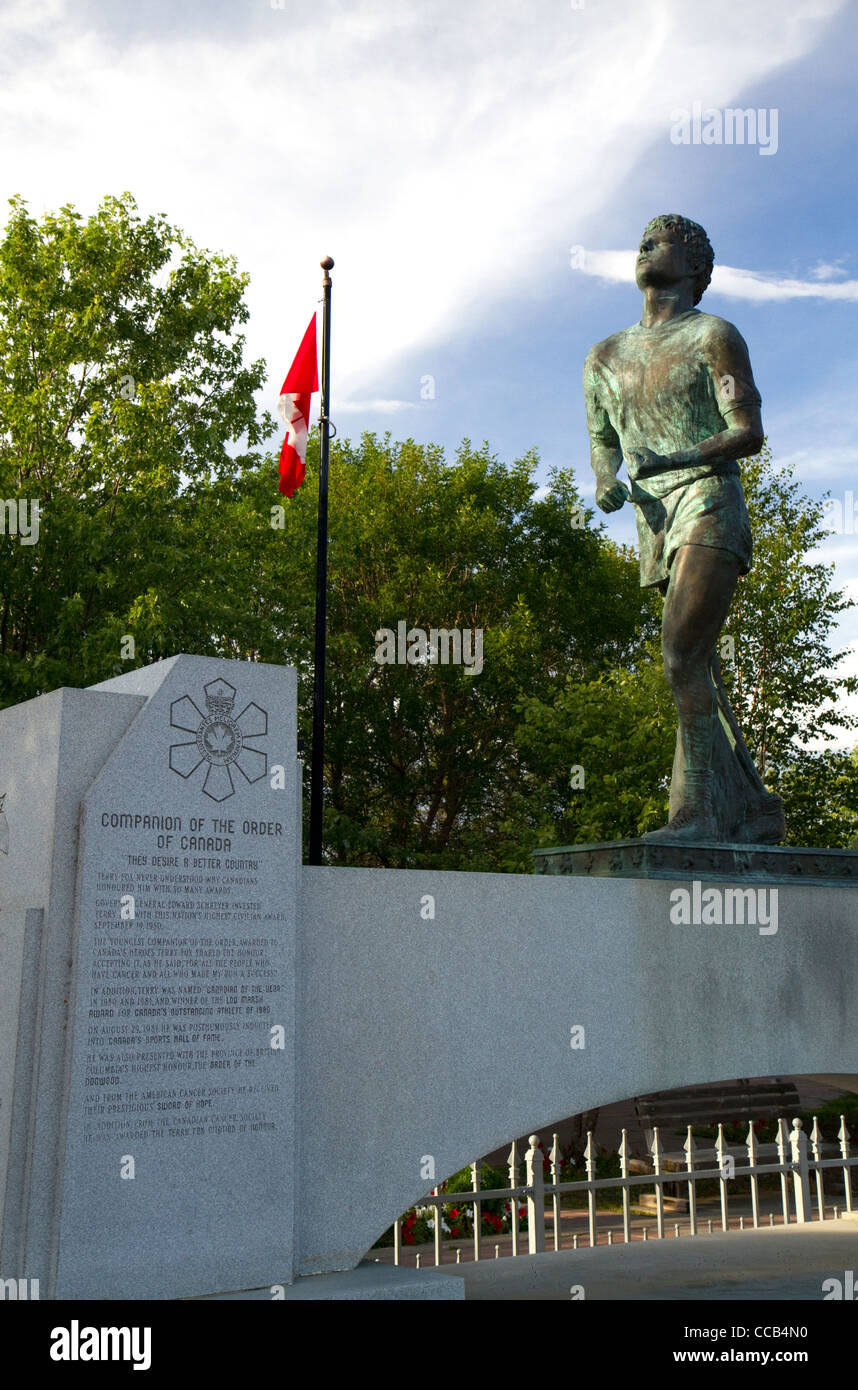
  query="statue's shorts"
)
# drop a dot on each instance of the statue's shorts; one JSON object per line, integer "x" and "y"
{"x": 708, "y": 511}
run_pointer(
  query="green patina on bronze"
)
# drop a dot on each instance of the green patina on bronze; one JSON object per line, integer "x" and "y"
{"x": 674, "y": 398}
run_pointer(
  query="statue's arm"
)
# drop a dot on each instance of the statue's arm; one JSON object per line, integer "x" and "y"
{"x": 738, "y": 403}
{"x": 605, "y": 460}
{"x": 742, "y": 438}
{"x": 606, "y": 455}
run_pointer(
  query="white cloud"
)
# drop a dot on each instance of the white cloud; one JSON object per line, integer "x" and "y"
{"x": 380, "y": 407}
{"x": 827, "y": 270}
{"x": 751, "y": 284}
{"x": 444, "y": 154}
{"x": 619, "y": 267}
{"x": 830, "y": 465}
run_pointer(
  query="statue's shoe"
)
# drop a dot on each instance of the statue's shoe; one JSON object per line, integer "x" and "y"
{"x": 763, "y": 825}
{"x": 689, "y": 826}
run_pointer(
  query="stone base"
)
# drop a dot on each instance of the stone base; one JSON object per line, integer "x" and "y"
{"x": 675, "y": 860}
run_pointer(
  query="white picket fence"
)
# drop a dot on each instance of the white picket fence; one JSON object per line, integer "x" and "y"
{"x": 732, "y": 1162}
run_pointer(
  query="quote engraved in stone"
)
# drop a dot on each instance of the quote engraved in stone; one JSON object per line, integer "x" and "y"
{"x": 183, "y": 965}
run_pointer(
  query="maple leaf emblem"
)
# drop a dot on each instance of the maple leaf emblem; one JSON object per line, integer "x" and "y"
{"x": 220, "y": 740}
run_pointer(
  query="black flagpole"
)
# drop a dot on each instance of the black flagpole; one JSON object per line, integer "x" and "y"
{"x": 318, "y": 754}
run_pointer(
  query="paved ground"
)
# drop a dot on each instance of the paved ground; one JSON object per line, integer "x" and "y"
{"x": 781, "y": 1263}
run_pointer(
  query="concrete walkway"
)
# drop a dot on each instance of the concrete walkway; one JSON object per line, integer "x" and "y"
{"x": 781, "y": 1263}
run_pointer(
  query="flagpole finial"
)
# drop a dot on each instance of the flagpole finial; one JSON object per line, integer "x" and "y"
{"x": 327, "y": 262}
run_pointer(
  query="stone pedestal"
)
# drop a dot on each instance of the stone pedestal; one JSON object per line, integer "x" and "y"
{"x": 675, "y": 860}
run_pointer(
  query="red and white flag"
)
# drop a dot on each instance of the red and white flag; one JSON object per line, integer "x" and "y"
{"x": 302, "y": 379}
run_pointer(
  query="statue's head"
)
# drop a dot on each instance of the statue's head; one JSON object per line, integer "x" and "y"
{"x": 673, "y": 248}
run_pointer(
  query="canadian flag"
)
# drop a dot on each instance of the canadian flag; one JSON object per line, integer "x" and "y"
{"x": 302, "y": 379}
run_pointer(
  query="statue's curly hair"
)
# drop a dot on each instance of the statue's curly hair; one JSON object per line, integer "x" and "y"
{"x": 700, "y": 251}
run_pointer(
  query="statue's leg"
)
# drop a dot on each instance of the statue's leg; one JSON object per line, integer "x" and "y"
{"x": 740, "y": 749}
{"x": 745, "y": 812}
{"x": 702, "y": 582}
{"x": 733, "y": 789}
{"x": 758, "y": 814}
{"x": 677, "y": 779}
{"x": 677, "y": 775}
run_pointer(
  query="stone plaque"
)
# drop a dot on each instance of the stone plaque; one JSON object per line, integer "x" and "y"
{"x": 178, "y": 1150}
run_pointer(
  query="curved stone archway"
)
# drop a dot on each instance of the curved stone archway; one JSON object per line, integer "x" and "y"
{"x": 498, "y": 1159}
{"x": 441, "y": 1035}
{"x": 606, "y": 1121}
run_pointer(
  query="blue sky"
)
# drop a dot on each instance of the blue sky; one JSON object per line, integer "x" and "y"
{"x": 448, "y": 156}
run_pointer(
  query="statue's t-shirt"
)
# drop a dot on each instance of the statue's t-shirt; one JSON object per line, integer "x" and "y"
{"x": 668, "y": 388}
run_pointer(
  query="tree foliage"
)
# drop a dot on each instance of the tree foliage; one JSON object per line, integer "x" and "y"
{"x": 422, "y": 766}
{"x": 783, "y": 683}
{"x": 122, "y": 388}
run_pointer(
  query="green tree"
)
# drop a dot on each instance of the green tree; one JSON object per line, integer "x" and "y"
{"x": 602, "y": 752}
{"x": 421, "y": 762}
{"x": 122, "y": 392}
{"x": 820, "y": 792}
{"x": 782, "y": 682}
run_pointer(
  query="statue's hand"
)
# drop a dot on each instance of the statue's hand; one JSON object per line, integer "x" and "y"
{"x": 648, "y": 462}
{"x": 611, "y": 494}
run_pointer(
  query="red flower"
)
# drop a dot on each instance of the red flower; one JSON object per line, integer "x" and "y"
{"x": 408, "y": 1237}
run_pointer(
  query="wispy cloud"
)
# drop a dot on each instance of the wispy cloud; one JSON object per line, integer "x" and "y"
{"x": 827, "y": 464}
{"x": 619, "y": 267}
{"x": 377, "y": 407}
{"x": 410, "y": 141}
{"x": 827, "y": 270}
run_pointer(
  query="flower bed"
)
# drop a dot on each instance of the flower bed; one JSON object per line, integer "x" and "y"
{"x": 457, "y": 1218}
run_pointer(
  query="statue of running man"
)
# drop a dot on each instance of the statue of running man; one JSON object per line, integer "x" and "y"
{"x": 674, "y": 397}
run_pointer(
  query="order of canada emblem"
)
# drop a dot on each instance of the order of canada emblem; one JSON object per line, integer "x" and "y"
{"x": 220, "y": 740}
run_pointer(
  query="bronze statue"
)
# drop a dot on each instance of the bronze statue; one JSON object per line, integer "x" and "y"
{"x": 675, "y": 398}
